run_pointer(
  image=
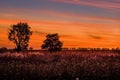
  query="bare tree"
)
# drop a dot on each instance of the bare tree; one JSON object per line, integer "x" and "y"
{"x": 52, "y": 43}
{"x": 20, "y": 35}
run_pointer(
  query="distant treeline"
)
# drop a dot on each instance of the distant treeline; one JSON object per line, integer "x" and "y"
{"x": 4, "y": 49}
{"x": 93, "y": 49}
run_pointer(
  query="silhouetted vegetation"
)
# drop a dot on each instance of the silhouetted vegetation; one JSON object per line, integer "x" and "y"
{"x": 30, "y": 48}
{"x": 20, "y": 35}
{"x": 52, "y": 43}
{"x": 3, "y": 49}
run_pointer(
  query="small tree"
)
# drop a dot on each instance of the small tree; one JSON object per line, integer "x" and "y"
{"x": 3, "y": 49}
{"x": 30, "y": 48}
{"x": 20, "y": 35}
{"x": 52, "y": 43}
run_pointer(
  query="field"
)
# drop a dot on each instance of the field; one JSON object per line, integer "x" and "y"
{"x": 65, "y": 65}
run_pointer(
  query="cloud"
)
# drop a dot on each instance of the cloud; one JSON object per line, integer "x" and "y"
{"x": 67, "y": 36}
{"x": 39, "y": 33}
{"x": 95, "y": 36}
{"x": 113, "y": 4}
{"x": 1, "y": 40}
{"x": 9, "y": 15}
{"x": 78, "y": 15}
{"x": 55, "y": 14}
{"x": 61, "y": 26}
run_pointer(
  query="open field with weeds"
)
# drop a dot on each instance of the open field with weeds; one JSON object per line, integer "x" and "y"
{"x": 65, "y": 65}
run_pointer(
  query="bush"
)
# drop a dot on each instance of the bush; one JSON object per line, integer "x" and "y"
{"x": 3, "y": 49}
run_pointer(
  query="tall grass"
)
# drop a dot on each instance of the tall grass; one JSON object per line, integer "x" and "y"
{"x": 65, "y": 65}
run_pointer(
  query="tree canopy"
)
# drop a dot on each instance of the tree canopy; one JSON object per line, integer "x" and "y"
{"x": 20, "y": 34}
{"x": 52, "y": 43}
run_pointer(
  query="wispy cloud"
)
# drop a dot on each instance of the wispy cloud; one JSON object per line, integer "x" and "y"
{"x": 95, "y": 36}
{"x": 78, "y": 15}
{"x": 113, "y": 4}
{"x": 8, "y": 15}
{"x": 56, "y": 14}
{"x": 60, "y": 25}
{"x": 40, "y": 33}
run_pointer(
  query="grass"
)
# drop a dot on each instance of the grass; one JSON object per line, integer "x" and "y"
{"x": 65, "y": 65}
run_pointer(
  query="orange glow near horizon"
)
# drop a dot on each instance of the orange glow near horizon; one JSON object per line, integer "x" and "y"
{"x": 75, "y": 36}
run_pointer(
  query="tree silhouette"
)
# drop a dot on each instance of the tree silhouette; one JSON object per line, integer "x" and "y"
{"x": 30, "y": 48}
{"x": 3, "y": 49}
{"x": 52, "y": 43}
{"x": 20, "y": 35}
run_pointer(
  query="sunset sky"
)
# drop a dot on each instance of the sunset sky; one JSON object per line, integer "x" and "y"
{"x": 80, "y": 23}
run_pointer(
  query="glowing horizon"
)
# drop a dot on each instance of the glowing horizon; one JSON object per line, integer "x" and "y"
{"x": 80, "y": 23}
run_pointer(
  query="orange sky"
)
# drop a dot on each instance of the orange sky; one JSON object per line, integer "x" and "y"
{"x": 79, "y": 24}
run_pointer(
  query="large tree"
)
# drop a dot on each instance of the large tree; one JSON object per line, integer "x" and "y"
{"x": 20, "y": 34}
{"x": 52, "y": 43}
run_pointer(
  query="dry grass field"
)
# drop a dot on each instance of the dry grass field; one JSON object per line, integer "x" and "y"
{"x": 64, "y": 65}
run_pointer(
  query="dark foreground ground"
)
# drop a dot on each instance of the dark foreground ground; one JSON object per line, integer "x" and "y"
{"x": 65, "y": 65}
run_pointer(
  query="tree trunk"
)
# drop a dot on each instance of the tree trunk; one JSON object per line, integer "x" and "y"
{"x": 18, "y": 48}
